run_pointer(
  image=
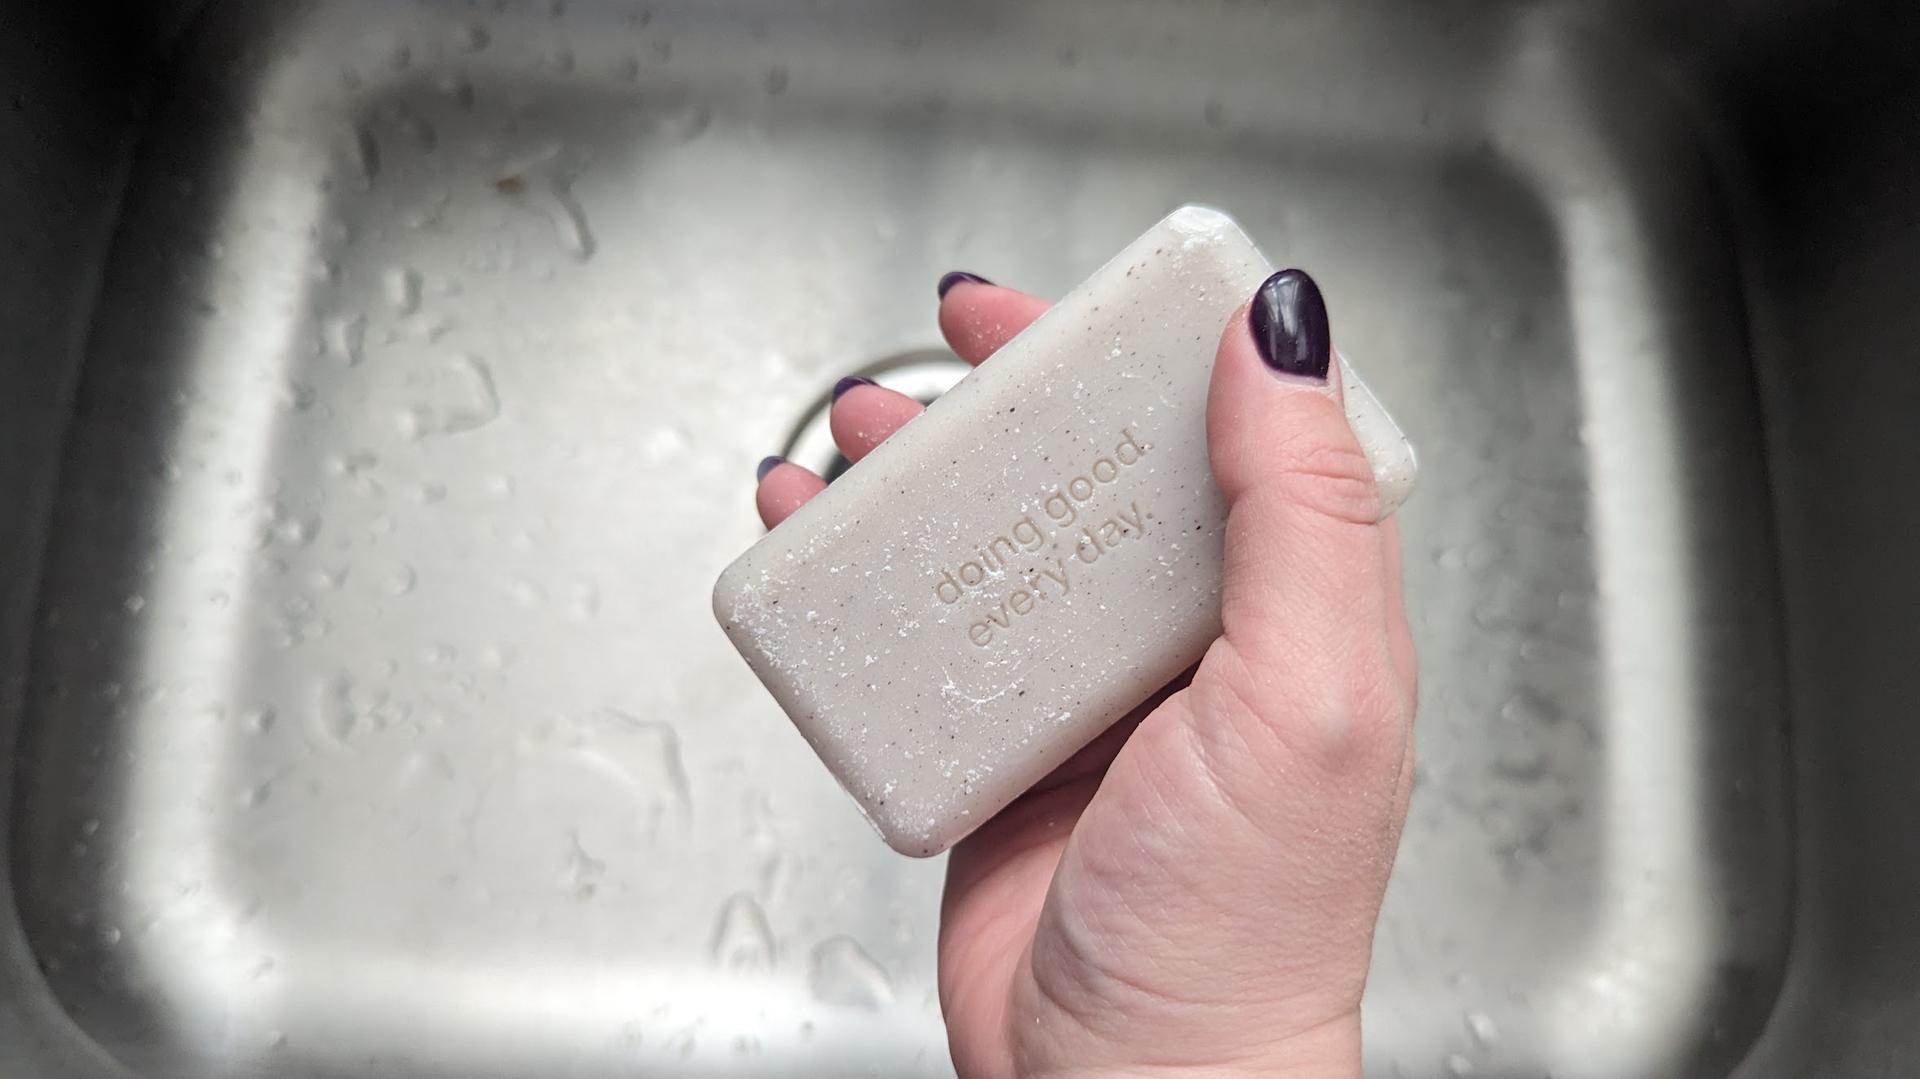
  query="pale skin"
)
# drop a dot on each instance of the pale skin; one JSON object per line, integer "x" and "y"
{"x": 1195, "y": 893}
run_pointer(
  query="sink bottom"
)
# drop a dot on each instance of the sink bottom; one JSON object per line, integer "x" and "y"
{"x": 377, "y": 723}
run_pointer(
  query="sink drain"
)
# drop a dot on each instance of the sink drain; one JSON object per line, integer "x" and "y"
{"x": 922, "y": 374}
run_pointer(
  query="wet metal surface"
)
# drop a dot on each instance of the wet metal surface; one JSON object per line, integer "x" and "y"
{"x": 375, "y": 723}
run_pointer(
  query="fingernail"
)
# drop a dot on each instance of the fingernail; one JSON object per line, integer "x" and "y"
{"x": 767, "y": 464}
{"x": 957, "y": 276}
{"x": 1289, "y": 323}
{"x": 841, "y": 387}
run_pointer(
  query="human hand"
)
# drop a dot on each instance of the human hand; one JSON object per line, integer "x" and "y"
{"x": 1195, "y": 893}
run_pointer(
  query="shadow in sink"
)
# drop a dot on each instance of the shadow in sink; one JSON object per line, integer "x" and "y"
{"x": 375, "y": 722}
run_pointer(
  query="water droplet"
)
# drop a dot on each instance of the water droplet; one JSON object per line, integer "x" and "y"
{"x": 296, "y": 397}
{"x": 297, "y": 530}
{"x": 463, "y": 398}
{"x": 352, "y": 466}
{"x": 364, "y": 152}
{"x": 776, "y": 79}
{"x": 1459, "y": 1065}
{"x": 666, "y": 443}
{"x": 134, "y": 604}
{"x": 641, "y": 756}
{"x": 110, "y": 935}
{"x": 742, "y": 939}
{"x": 842, "y": 973}
{"x": 259, "y": 720}
{"x": 584, "y": 602}
{"x": 383, "y": 712}
{"x": 459, "y": 89}
{"x": 401, "y": 580}
{"x": 1528, "y": 707}
{"x": 345, "y": 337}
{"x": 1481, "y": 1025}
{"x": 686, "y": 124}
{"x": 257, "y": 795}
{"x": 90, "y": 826}
{"x": 402, "y": 287}
{"x": 526, "y": 593}
{"x": 334, "y": 716}
{"x": 570, "y": 224}
{"x": 1522, "y": 764}
{"x": 581, "y": 876}
{"x": 776, "y": 878}
{"x": 474, "y": 37}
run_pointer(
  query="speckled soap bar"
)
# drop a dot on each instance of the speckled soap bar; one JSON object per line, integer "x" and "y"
{"x": 1020, "y": 566}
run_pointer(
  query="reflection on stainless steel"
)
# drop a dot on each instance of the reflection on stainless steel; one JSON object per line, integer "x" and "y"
{"x": 389, "y": 381}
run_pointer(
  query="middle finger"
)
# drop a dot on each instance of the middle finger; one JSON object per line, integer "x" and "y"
{"x": 864, "y": 414}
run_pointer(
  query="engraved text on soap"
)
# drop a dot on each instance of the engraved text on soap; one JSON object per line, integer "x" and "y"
{"x": 1044, "y": 555}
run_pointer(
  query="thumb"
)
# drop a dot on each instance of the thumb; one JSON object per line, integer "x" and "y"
{"x": 1300, "y": 713}
{"x": 1305, "y": 595}
{"x": 1264, "y": 797}
{"x": 1304, "y": 677}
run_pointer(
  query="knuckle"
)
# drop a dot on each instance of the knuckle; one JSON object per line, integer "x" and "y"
{"x": 1334, "y": 479}
{"x": 1380, "y": 705}
{"x": 1344, "y": 715}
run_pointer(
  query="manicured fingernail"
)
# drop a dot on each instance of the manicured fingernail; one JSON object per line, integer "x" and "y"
{"x": 767, "y": 464}
{"x": 1289, "y": 323}
{"x": 841, "y": 387}
{"x": 957, "y": 276}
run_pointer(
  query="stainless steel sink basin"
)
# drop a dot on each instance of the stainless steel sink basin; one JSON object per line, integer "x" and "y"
{"x": 384, "y": 382}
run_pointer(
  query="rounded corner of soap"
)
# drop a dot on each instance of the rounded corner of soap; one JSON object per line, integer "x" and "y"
{"x": 913, "y": 846}
{"x": 1199, "y": 217}
{"x": 726, "y": 593}
{"x": 1412, "y": 469}
{"x": 1398, "y": 480}
{"x": 912, "y": 841}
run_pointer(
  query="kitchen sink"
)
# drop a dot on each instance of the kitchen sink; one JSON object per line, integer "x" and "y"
{"x": 383, "y": 384}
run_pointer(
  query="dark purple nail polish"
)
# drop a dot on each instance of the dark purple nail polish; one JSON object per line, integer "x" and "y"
{"x": 1289, "y": 323}
{"x": 957, "y": 276}
{"x": 767, "y": 464}
{"x": 841, "y": 387}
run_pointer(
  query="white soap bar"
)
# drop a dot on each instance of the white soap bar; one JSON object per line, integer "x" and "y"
{"x": 1017, "y": 568}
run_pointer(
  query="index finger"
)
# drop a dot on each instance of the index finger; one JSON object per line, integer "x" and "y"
{"x": 977, "y": 317}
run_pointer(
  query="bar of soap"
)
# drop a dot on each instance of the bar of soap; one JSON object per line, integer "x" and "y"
{"x": 1020, "y": 566}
